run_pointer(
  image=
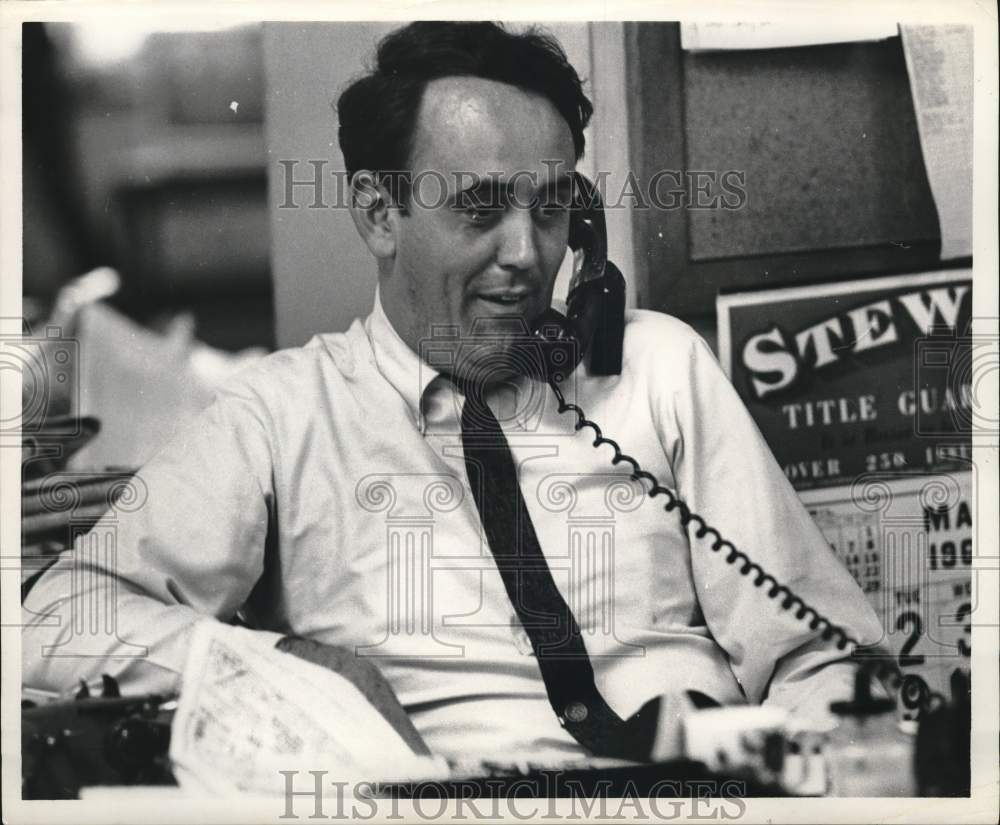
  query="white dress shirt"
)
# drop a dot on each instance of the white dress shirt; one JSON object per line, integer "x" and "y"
{"x": 324, "y": 494}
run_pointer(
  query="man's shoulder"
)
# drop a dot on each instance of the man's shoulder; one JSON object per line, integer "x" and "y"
{"x": 667, "y": 355}
{"x": 288, "y": 374}
{"x": 649, "y": 334}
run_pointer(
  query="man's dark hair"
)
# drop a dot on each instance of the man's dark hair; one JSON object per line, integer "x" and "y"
{"x": 378, "y": 112}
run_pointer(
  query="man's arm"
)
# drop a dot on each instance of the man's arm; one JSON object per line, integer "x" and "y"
{"x": 727, "y": 474}
{"x": 126, "y": 599}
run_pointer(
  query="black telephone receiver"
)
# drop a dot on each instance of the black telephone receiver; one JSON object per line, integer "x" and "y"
{"x": 594, "y": 324}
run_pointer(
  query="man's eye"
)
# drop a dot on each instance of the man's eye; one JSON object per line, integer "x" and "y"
{"x": 479, "y": 214}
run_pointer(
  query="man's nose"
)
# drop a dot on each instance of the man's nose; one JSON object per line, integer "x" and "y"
{"x": 518, "y": 246}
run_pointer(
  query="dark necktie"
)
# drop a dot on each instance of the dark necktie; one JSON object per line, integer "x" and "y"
{"x": 547, "y": 619}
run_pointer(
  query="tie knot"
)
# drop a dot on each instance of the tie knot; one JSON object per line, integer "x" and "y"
{"x": 478, "y": 418}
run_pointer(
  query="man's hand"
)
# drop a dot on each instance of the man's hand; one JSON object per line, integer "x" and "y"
{"x": 365, "y": 677}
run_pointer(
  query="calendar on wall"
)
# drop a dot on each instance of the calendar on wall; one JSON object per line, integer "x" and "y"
{"x": 908, "y": 541}
{"x": 852, "y": 538}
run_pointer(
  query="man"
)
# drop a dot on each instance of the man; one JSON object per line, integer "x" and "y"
{"x": 339, "y": 493}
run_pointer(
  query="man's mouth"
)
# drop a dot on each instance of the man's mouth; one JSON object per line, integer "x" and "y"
{"x": 512, "y": 299}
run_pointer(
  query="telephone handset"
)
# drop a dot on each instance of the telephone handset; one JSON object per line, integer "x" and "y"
{"x": 594, "y": 326}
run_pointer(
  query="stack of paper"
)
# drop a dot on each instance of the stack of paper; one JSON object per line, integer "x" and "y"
{"x": 249, "y": 712}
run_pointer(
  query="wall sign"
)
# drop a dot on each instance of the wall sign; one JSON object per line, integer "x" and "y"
{"x": 856, "y": 377}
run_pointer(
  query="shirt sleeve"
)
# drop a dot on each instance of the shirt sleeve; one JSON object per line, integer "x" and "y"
{"x": 726, "y": 473}
{"x": 185, "y": 543}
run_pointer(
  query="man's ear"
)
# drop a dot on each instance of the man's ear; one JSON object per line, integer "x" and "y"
{"x": 373, "y": 215}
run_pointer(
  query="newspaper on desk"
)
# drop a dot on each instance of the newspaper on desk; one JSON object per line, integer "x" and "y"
{"x": 248, "y": 711}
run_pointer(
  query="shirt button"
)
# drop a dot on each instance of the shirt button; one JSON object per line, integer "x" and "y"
{"x": 576, "y": 712}
{"x": 521, "y": 641}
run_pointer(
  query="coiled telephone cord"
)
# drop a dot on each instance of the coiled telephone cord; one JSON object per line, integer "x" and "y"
{"x": 748, "y": 567}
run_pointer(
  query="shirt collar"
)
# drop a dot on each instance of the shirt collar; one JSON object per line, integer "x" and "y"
{"x": 419, "y": 383}
{"x": 409, "y": 374}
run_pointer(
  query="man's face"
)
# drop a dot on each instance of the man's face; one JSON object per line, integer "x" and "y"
{"x": 456, "y": 262}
